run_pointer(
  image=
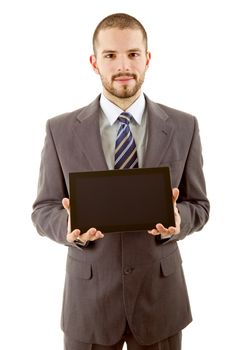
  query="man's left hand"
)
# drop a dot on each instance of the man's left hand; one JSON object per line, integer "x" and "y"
{"x": 170, "y": 231}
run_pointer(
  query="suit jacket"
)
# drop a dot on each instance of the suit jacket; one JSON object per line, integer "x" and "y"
{"x": 124, "y": 276}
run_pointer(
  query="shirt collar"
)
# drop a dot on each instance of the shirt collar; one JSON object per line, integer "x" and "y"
{"x": 112, "y": 111}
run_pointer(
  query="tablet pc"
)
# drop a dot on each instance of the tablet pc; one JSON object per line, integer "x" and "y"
{"x": 121, "y": 200}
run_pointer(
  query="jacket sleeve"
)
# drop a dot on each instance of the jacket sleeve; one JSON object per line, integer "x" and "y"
{"x": 49, "y": 216}
{"x": 193, "y": 204}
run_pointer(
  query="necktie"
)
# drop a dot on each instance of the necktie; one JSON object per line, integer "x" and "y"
{"x": 125, "y": 148}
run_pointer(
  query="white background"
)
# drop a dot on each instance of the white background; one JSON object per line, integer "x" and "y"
{"x": 45, "y": 71}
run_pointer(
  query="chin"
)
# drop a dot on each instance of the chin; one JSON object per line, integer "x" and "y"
{"x": 124, "y": 92}
{"x": 127, "y": 93}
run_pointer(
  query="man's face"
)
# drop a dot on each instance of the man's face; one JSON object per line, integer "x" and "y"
{"x": 121, "y": 61}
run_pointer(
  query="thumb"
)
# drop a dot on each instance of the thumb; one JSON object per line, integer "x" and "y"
{"x": 175, "y": 194}
{"x": 66, "y": 203}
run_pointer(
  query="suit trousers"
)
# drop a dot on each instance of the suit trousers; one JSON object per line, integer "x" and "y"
{"x": 171, "y": 343}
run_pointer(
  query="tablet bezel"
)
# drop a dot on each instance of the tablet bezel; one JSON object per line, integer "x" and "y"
{"x": 80, "y": 196}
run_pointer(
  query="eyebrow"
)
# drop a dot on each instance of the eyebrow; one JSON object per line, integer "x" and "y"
{"x": 108, "y": 51}
{"x": 114, "y": 51}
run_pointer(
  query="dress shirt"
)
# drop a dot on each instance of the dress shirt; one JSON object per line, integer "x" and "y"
{"x": 109, "y": 125}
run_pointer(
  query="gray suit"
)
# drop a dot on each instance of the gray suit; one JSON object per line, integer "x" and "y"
{"x": 132, "y": 276}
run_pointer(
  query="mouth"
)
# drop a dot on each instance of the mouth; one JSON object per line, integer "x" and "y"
{"x": 123, "y": 79}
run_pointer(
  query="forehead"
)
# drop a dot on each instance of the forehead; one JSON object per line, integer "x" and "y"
{"x": 119, "y": 39}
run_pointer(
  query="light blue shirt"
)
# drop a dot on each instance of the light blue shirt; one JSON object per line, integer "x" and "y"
{"x": 109, "y": 126}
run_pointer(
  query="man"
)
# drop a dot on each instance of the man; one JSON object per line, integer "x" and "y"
{"x": 122, "y": 287}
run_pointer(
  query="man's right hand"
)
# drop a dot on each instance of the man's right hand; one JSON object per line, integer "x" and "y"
{"x": 91, "y": 235}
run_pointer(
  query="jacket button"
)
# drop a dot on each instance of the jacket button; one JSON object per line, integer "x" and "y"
{"x": 128, "y": 270}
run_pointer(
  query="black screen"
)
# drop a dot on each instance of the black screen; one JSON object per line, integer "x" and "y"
{"x": 121, "y": 200}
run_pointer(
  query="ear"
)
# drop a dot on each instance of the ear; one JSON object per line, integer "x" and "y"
{"x": 148, "y": 58}
{"x": 94, "y": 64}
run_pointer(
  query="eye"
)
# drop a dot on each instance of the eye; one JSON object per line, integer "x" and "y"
{"x": 134, "y": 54}
{"x": 109, "y": 56}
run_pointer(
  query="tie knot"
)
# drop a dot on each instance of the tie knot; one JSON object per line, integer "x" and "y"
{"x": 125, "y": 118}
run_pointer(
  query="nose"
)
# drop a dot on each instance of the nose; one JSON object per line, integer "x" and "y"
{"x": 123, "y": 64}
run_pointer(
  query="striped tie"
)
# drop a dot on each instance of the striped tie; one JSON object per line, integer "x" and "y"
{"x": 125, "y": 148}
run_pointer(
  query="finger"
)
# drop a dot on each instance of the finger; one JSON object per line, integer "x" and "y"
{"x": 72, "y": 236}
{"x": 94, "y": 234}
{"x": 153, "y": 232}
{"x": 91, "y": 235}
{"x": 97, "y": 235}
{"x": 171, "y": 230}
{"x": 162, "y": 230}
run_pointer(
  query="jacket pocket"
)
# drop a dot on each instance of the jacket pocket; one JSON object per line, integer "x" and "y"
{"x": 79, "y": 269}
{"x": 170, "y": 263}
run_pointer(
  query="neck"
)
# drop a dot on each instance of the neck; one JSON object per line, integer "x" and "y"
{"x": 123, "y": 103}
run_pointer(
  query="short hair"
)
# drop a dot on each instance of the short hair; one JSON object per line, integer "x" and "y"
{"x": 121, "y": 21}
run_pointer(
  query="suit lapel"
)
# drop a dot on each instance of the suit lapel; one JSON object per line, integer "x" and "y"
{"x": 87, "y": 135}
{"x": 160, "y": 133}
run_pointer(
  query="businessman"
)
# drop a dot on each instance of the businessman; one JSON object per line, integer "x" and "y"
{"x": 122, "y": 287}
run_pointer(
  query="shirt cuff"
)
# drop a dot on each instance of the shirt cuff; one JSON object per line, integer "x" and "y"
{"x": 80, "y": 243}
{"x": 164, "y": 236}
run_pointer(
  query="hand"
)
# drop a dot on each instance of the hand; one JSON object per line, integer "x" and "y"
{"x": 91, "y": 235}
{"x": 170, "y": 231}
